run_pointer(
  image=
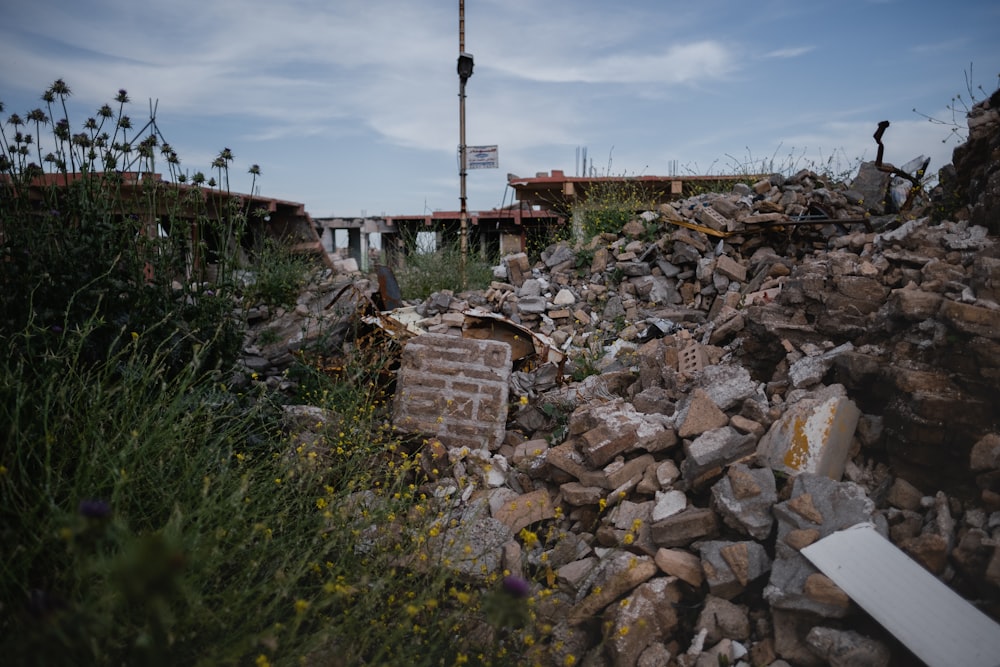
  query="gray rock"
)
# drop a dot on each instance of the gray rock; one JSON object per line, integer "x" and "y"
{"x": 847, "y": 648}
{"x": 744, "y": 498}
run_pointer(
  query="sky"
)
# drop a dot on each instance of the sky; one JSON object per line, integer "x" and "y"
{"x": 351, "y": 107}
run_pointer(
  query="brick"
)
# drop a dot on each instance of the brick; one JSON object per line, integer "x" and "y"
{"x": 685, "y": 527}
{"x": 454, "y": 389}
{"x": 730, "y": 268}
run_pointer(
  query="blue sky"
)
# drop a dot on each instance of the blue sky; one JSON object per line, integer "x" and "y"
{"x": 351, "y": 106}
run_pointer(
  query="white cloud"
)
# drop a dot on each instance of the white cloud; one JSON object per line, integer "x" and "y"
{"x": 790, "y": 52}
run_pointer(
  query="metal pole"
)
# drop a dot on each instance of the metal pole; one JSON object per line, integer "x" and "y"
{"x": 463, "y": 215}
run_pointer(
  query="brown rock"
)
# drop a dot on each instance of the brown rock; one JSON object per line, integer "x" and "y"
{"x": 737, "y": 556}
{"x": 744, "y": 484}
{"x": 601, "y": 444}
{"x": 702, "y": 415}
{"x": 985, "y": 454}
{"x": 744, "y": 425}
{"x": 525, "y": 510}
{"x": 623, "y": 575}
{"x": 928, "y": 549}
{"x": 820, "y": 588}
{"x": 577, "y": 494}
{"x": 682, "y": 564}
{"x": 804, "y": 507}
{"x": 685, "y": 527}
{"x": 904, "y": 495}
{"x": 971, "y": 319}
{"x": 723, "y": 619}
{"x": 640, "y": 619}
{"x": 800, "y": 538}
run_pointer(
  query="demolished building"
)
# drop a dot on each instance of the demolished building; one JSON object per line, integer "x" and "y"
{"x": 736, "y": 391}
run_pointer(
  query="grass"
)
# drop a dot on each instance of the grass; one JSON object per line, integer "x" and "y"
{"x": 157, "y": 505}
{"x": 426, "y": 270}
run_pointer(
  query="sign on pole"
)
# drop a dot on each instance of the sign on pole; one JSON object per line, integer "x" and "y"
{"x": 482, "y": 157}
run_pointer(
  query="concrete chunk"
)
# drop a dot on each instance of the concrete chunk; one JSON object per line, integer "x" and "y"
{"x": 744, "y": 498}
{"x": 814, "y": 435}
{"x": 715, "y": 449}
{"x": 731, "y": 566}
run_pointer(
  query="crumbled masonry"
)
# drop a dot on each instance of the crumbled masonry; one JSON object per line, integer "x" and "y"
{"x": 737, "y": 399}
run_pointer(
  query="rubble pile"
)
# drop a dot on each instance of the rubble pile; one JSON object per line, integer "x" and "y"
{"x": 734, "y": 390}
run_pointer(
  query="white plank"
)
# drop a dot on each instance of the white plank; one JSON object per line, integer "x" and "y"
{"x": 935, "y": 623}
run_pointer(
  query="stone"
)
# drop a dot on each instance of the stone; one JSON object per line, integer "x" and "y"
{"x": 518, "y": 268}
{"x": 667, "y": 473}
{"x": 701, "y": 415}
{"x": 641, "y": 618}
{"x": 985, "y": 454}
{"x": 685, "y": 527}
{"x": 972, "y": 319}
{"x": 668, "y": 503}
{"x": 809, "y": 371}
{"x": 730, "y": 268}
{"x": 576, "y": 494}
{"x": 681, "y": 564}
{"x": 564, "y": 297}
{"x": 723, "y": 620}
{"x": 928, "y": 549}
{"x": 618, "y": 574}
{"x": 847, "y": 648}
{"x": 525, "y": 510}
{"x": 813, "y": 435}
{"x": 820, "y": 588}
{"x": 654, "y": 655}
{"x": 474, "y": 547}
{"x": 603, "y": 443}
{"x": 531, "y": 305}
{"x": 818, "y": 506}
{"x": 715, "y": 449}
{"x": 730, "y": 566}
{"x": 728, "y": 386}
{"x": 790, "y": 632}
{"x": 744, "y": 498}
{"x": 620, "y": 473}
{"x": 904, "y": 495}
{"x": 572, "y": 575}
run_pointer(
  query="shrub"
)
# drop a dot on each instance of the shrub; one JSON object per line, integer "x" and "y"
{"x": 610, "y": 205}
{"x": 152, "y": 514}
{"x": 428, "y": 270}
{"x": 279, "y": 276}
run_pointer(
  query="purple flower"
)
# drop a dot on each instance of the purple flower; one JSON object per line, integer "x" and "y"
{"x": 95, "y": 509}
{"x": 516, "y": 587}
{"x": 56, "y": 328}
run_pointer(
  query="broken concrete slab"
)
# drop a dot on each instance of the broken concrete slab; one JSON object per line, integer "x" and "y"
{"x": 813, "y": 435}
{"x": 714, "y": 449}
{"x": 744, "y": 498}
{"x": 730, "y": 566}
